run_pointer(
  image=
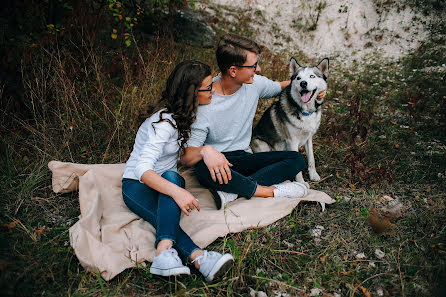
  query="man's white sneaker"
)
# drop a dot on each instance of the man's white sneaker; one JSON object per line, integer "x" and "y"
{"x": 213, "y": 264}
{"x": 168, "y": 263}
{"x": 222, "y": 198}
{"x": 290, "y": 190}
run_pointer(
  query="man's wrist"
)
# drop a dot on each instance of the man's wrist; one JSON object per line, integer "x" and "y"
{"x": 203, "y": 150}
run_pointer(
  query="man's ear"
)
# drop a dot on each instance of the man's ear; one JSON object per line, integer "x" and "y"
{"x": 231, "y": 71}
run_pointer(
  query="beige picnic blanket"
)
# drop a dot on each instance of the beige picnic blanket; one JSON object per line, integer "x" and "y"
{"x": 109, "y": 238}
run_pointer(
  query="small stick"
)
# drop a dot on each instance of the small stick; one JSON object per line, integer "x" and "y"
{"x": 322, "y": 179}
{"x": 293, "y": 252}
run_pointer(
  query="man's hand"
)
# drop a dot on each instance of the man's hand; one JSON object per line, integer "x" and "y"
{"x": 322, "y": 94}
{"x": 217, "y": 164}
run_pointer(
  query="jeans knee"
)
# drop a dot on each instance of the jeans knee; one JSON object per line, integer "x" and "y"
{"x": 202, "y": 172}
{"x": 174, "y": 177}
{"x": 298, "y": 161}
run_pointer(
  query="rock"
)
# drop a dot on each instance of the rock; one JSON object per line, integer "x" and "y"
{"x": 317, "y": 231}
{"x": 185, "y": 25}
{"x": 361, "y": 256}
{"x": 190, "y": 27}
{"x": 315, "y": 292}
{"x": 379, "y": 254}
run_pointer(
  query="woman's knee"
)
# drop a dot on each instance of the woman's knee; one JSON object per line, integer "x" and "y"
{"x": 174, "y": 177}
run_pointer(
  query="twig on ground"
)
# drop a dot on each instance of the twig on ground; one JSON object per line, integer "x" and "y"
{"x": 373, "y": 276}
{"x": 293, "y": 252}
{"x": 399, "y": 269}
{"x": 322, "y": 179}
{"x": 274, "y": 280}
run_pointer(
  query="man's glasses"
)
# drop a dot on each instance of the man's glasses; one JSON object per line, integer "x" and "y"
{"x": 249, "y": 66}
{"x": 209, "y": 89}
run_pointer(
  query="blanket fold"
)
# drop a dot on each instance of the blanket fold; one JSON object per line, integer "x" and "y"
{"x": 110, "y": 238}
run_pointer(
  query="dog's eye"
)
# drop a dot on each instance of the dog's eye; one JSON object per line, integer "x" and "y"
{"x": 312, "y": 76}
{"x": 298, "y": 78}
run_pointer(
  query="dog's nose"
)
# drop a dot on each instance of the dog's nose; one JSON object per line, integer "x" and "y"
{"x": 303, "y": 84}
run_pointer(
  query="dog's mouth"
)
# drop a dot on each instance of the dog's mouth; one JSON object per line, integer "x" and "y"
{"x": 306, "y": 95}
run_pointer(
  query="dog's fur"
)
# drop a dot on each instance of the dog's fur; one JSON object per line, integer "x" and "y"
{"x": 293, "y": 120}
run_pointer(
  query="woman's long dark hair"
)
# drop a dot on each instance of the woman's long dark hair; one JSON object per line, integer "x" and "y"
{"x": 180, "y": 97}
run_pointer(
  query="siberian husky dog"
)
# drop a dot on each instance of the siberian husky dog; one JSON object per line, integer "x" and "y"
{"x": 292, "y": 121}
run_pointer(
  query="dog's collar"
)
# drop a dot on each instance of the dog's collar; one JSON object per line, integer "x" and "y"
{"x": 308, "y": 113}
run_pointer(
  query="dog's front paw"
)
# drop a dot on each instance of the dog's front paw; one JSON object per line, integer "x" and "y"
{"x": 300, "y": 179}
{"x": 314, "y": 176}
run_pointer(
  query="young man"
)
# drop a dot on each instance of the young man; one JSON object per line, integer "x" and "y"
{"x": 220, "y": 136}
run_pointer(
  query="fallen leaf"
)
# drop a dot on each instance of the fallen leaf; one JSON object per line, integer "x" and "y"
{"x": 364, "y": 291}
{"x": 430, "y": 202}
{"x": 387, "y": 198}
{"x": 397, "y": 145}
{"x": 323, "y": 259}
{"x": 417, "y": 199}
{"x": 352, "y": 186}
{"x": 39, "y": 231}
{"x": 346, "y": 272}
{"x": 332, "y": 215}
{"x": 392, "y": 233}
{"x": 12, "y": 224}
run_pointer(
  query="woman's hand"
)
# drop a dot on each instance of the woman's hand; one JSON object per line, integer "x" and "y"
{"x": 217, "y": 164}
{"x": 186, "y": 201}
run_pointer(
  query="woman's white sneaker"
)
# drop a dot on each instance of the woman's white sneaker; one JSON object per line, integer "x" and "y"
{"x": 168, "y": 263}
{"x": 290, "y": 190}
{"x": 213, "y": 264}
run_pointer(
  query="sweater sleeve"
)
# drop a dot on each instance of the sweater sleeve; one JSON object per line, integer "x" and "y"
{"x": 153, "y": 146}
{"x": 199, "y": 131}
{"x": 267, "y": 88}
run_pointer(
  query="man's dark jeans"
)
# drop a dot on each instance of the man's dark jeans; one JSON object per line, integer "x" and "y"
{"x": 251, "y": 169}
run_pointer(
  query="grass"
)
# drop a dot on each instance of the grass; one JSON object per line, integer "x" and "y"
{"x": 383, "y": 133}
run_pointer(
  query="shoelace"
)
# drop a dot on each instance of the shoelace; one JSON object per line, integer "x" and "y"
{"x": 174, "y": 253}
{"x": 203, "y": 257}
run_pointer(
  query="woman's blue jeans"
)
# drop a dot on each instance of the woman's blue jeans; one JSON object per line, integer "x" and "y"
{"x": 251, "y": 169}
{"x": 159, "y": 210}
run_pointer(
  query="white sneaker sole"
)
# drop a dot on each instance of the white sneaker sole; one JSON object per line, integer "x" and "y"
{"x": 222, "y": 265}
{"x": 171, "y": 271}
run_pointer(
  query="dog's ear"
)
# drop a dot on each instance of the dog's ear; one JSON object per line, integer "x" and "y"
{"x": 323, "y": 66}
{"x": 294, "y": 66}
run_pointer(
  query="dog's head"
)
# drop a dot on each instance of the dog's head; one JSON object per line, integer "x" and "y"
{"x": 307, "y": 82}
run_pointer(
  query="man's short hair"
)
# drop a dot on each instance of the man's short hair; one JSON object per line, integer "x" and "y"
{"x": 232, "y": 51}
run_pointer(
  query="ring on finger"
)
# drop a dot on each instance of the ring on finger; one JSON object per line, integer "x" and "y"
{"x": 217, "y": 172}
{"x": 188, "y": 209}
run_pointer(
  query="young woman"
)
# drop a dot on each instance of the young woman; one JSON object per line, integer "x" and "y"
{"x": 151, "y": 186}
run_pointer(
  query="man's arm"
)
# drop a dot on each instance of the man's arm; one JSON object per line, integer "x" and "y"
{"x": 191, "y": 156}
{"x": 284, "y": 84}
{"x": 216, "y": 162}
